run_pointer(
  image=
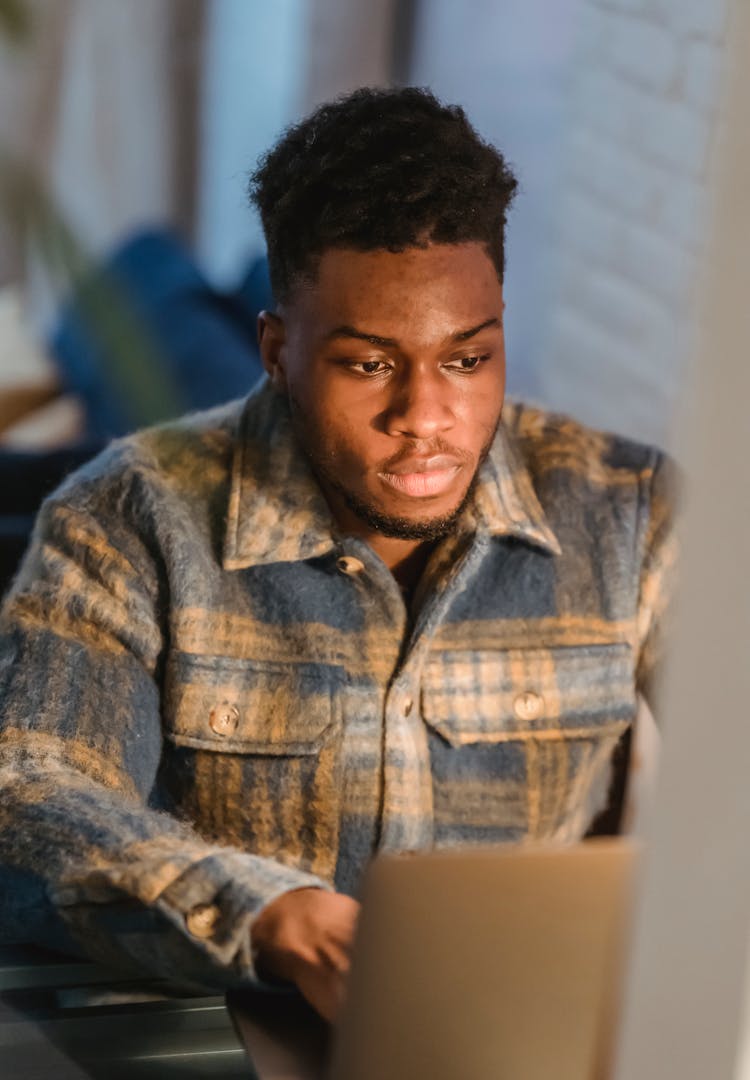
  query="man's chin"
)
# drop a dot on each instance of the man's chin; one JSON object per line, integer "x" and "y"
{"x": 402, "y": 527}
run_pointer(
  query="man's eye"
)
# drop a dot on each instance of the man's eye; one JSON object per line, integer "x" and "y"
{"x": 369, "y": 367}
{"x": 467, "y": 363}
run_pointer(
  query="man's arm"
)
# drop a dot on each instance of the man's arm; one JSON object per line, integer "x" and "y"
{"x": 81, "y": 641}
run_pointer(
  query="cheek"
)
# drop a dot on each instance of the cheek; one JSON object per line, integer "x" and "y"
{"x": 341, "y": 418}
{"x": 478, "y": 407}
{"x": 347, "y": 440}
{"x": 337, "y": 437}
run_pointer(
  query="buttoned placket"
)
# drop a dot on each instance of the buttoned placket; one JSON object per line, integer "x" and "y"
{"x": 406, "y": 821}
{"x": 386, "y": 625}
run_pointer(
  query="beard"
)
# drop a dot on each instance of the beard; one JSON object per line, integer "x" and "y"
{"x": 402, "y": 528}
{"x": 390, "y": 525}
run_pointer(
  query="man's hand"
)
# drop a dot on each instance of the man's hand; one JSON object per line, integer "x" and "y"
{"x": 305, "y": 937}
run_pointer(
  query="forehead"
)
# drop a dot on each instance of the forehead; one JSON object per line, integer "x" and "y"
{"x": 426, "y": 291}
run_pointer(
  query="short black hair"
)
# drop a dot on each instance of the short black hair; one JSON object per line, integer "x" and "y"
{"x": 379, "y": 169}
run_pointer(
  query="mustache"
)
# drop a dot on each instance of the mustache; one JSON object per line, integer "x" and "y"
{"x": 424, "y": 449}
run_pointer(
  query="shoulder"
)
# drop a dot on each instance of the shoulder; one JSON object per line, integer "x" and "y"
{"x": 556, "y": 448}
{"x": 126, "y": 506}
{"x": 187, "y": 457}
{"x": 600, "y": 492}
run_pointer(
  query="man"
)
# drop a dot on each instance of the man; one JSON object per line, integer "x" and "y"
{"x": 355, "y": 613}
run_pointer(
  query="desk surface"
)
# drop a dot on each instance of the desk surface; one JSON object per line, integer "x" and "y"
{"x": 284, "y": 1038}
{"x": 69, "y": 1019}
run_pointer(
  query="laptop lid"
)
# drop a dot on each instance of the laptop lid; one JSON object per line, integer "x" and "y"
{"x": 499, "y": 963}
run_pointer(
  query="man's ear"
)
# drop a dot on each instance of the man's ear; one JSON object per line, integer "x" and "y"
{"x": 272, "y": 343}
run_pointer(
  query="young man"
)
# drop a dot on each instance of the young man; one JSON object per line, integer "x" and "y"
{"x": 357, "y": 612}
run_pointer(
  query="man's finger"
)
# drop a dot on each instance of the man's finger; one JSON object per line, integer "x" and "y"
{"x": 336, "y": 958}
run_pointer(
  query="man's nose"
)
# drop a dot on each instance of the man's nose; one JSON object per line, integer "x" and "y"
{"x": 420, "y": 407}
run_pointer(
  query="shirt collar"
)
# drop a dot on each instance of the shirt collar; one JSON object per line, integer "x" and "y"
{"x": 505, "y": 502}
{"x": 277, "y": 511}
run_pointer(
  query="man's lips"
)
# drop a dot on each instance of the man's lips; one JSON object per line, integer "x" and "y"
{"x": 421, "y": 477}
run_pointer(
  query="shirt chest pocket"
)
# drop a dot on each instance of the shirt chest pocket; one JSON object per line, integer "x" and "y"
{"x": 254, "y": 755}
{"x": 522, "y": 739}
{"x": 237, "y": 706}
{"x": 490, "y": 697}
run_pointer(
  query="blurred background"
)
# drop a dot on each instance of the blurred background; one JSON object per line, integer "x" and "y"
{"x": 131, "y": 272}
{"x": 131, "y": 268}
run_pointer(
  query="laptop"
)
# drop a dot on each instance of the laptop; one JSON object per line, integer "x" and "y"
{"x": 501, "y": 963}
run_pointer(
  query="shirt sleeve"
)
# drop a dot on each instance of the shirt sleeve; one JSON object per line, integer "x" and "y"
{"x": 657, "y": 578}
{"x": 81, "y": 644}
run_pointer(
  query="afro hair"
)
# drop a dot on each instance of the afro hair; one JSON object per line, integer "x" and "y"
{"x": 379, "y": 169}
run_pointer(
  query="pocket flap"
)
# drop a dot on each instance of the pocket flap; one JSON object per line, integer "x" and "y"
{"x": 488, "y": 696}
{"x": 221, "y": 703}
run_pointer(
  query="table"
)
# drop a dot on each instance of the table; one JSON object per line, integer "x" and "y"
{"x": 284, "y": 1037}
{"x": 70, "y": 1019}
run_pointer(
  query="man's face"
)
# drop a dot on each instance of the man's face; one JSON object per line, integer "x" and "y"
{"x": 394, "y": 364}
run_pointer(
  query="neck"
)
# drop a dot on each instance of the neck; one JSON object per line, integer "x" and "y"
{"x": 409, "y": 569}
{"x": 405, "y": 559}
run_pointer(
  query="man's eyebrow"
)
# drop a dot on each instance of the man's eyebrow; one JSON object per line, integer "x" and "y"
{"x": 346, "y": 331}
{"x": 351, "y": 332}
{"x": 464, "y": 335}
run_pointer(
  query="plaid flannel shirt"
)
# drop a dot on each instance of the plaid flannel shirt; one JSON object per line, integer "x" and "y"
{"x": 209, "y": 697}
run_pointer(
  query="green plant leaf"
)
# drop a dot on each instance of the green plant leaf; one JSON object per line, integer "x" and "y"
{"x": 15, "y": 21}
{"x": 135, "y": 364}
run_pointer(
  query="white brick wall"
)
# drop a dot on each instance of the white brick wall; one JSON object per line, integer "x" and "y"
{"x": 647, "y": 77}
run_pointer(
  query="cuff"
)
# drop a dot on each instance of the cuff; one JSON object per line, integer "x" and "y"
{"x": 216, "y": 901}
{"x": 198, "y": 928}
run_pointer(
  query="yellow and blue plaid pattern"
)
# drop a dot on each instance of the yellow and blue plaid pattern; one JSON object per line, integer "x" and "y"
{"x": 208, "y": 696}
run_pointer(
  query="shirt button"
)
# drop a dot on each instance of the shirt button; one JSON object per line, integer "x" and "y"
{"x": 223, "y": 720}
{"x": 201, "y": 920}
{"x": 528, "y": 706}
{"x": 347, "y": 564}
{"x": 408, "y": 706}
